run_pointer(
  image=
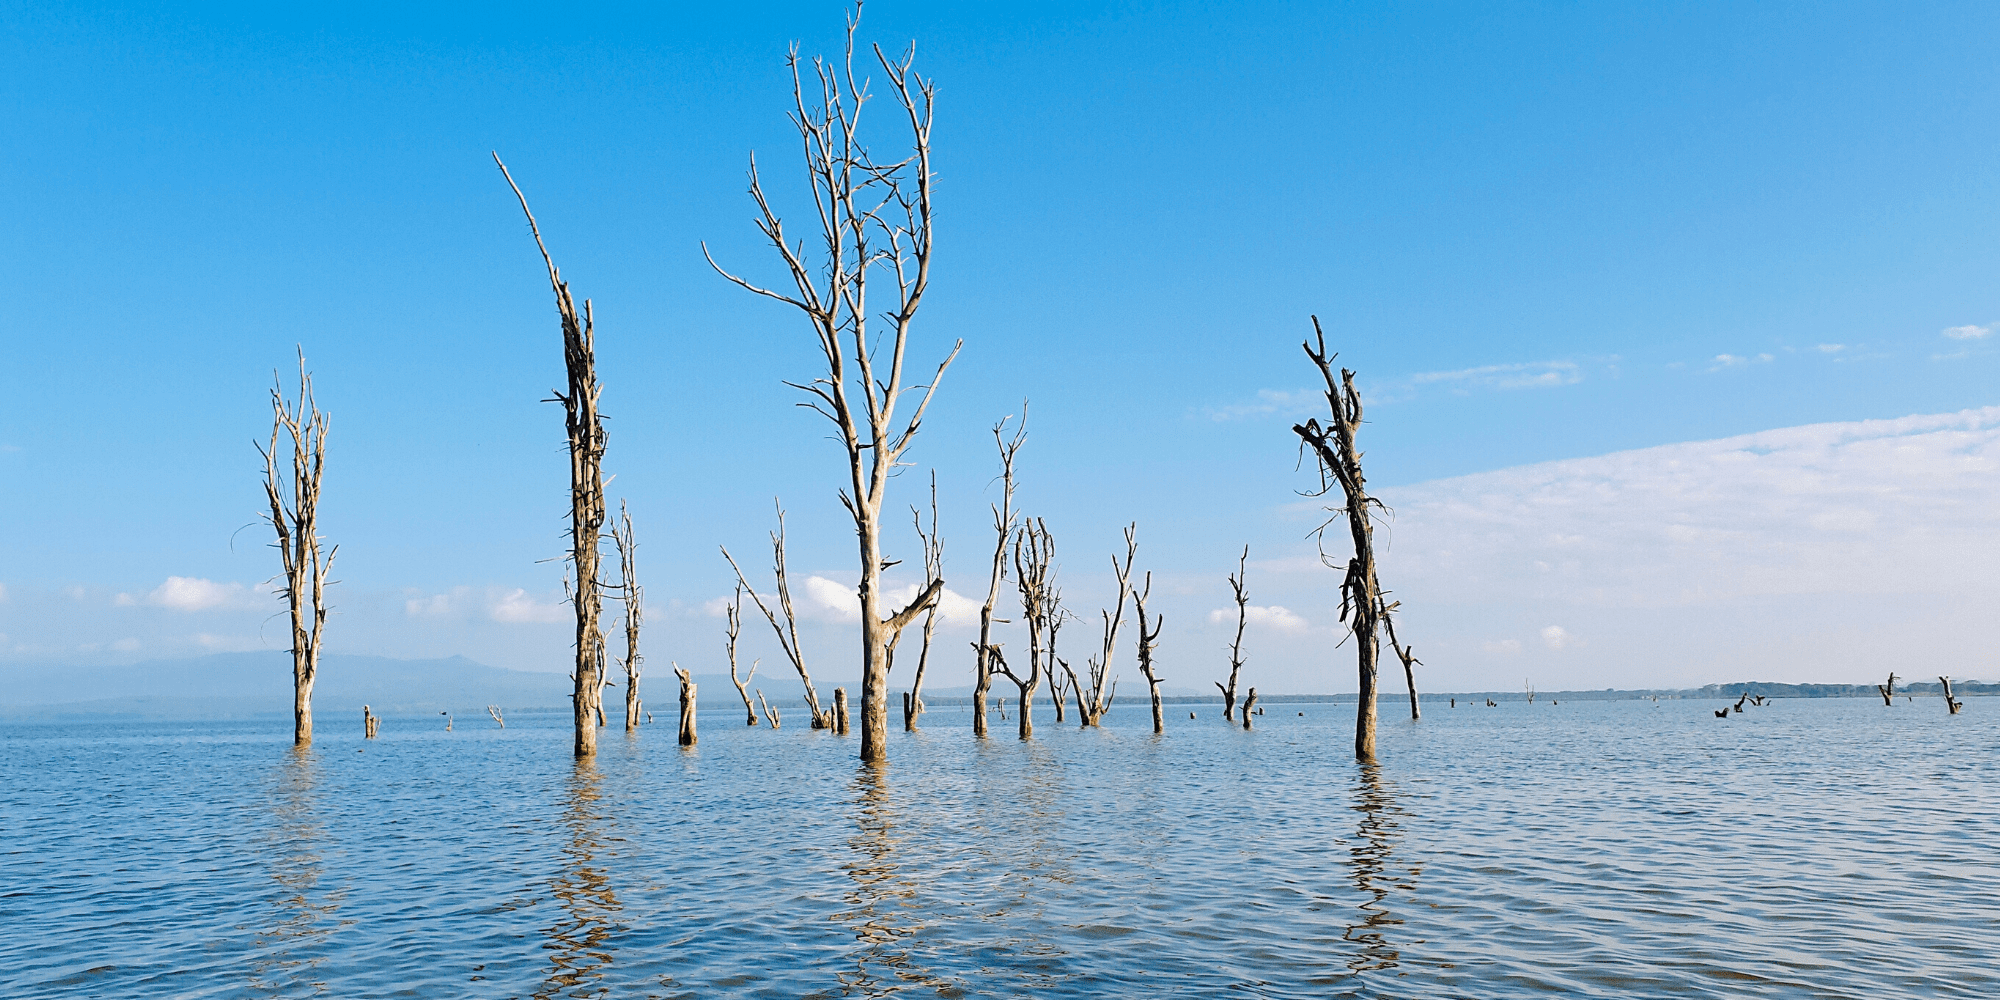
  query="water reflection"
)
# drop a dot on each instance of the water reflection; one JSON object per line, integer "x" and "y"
{"x": 580, "y": 943}
{"x": 1371, "y": 860}
{"x": 303, "y": 917}
{"x": 882, "y": 906}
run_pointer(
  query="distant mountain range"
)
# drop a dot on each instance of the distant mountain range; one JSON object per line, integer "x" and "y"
{"x": 246, "y": 685}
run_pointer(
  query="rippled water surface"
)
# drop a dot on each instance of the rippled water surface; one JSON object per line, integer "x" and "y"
{"x": 1830, "y": 848}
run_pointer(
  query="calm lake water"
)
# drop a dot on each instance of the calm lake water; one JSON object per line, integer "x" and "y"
{"x": 1830, "y": 848}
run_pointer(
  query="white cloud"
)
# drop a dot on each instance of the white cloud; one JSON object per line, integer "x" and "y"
{"x": 186, "y": 593}
{"x": 1502, "y": 646}
{"x": 954, "y": 609}
{"x": 831, "y": 599}
{"x": 1830, "y": 348}
{"x": 1305, "y": 402}
{"x": 1737, "y": 361}
{"x": 434, "y": 606}
{"x": 517, "y": 606}
{"x": 1557, "y": 637}
{"x": 1274, "y": 617}
{"x": 1527, "y": 375}
{"x": 1970, "y": 332}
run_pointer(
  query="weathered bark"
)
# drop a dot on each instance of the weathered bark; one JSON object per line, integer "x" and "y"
{"x": 1058, "y": 684}
{"x": 985, "y": 652}
{"x": 840, "y": 711}
{"x": 1091, "y": 706}
{"x": 587, "y": 439}
{"x": 1249, "y": 706}
{"x": 494, "y": 711}
{"x": 1408, "y": 656}
{"x": 1952, "y": 705}
{"x": 735, "y": 628}
{"x": 875, "y": 217}
{"x": 635, "y": 612}
{"x": 369, "y": 723}
{"x": 1041, "y": 606}
{"x": 1888, "y": 691}
{"x": 1236, "y": 584}
{"x": 1148, "y": 640}
{"x": 294, "y": 515}
{"x": 913, "y": 699}
{"x": 788, "y": 633}
{"x": 769, "y": 712}
{"x": 1340, "y": 463}
{"x": 687, "y": 705}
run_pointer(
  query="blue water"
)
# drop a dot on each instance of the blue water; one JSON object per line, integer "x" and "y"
{"x": 1830, "y": 848}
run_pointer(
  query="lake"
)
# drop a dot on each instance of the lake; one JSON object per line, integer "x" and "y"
{"x": 1810, "y": 848}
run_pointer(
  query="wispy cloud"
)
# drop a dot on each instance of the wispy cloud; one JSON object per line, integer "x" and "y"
{"x": 187, "y": 593}
{"x": 518, "y": 605}
{"x": 1557, "y": 637}
{"x": 1506, "y": 377}
{"x": 1738, "y": 360}
{"x": 1526, "y": 375}
{"x": 1274, "y": 617}
{"x": 1270, "y": 402}
{"x": 1830, "y": 348}
{"x": 1970, "y": 332}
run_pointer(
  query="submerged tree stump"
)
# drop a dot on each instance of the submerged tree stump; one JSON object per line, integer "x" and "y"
{"x": 1249, "y": 703}
{"x": 687, "y": 706}
{"x": 840, "y": 711}
{"x": 1952, "y": 705}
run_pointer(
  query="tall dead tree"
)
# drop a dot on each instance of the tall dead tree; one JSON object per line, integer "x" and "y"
{"x": 1236, "y": 583}
{"x": 788, "y": 633}
{"x": 985, "y": 652}
{"x": 1888, "y": 691}
{"x": 635, "y": 611}
{"x": 1408, "y": 656}
{"x": 1952, "y": 705}
{"x": 1149, "y": 638}
{"x": 913, "y": 699}
{"x": 293, "y": 495}
{"x": 874, "y": 217}
{"x": 1339, "y": 461}
{"x": 1041, "y": 606}
{"x": 585, "y": 428}
{"x": 735, "y": 615}
{"x": 1091, "y": 704}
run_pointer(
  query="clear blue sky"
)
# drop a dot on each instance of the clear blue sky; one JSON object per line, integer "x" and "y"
{"x": 1540, "y": 232}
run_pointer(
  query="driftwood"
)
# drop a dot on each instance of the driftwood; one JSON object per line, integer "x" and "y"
{"x": 1236, "y": 584}
{"x": 635, "y": 613}
{"x": 769, "y": 712}
{"x": 585, "y": 428}
{"x": 1408, "y": 656}
{"x": 735, "y": 628}
{"x": 840, "y": 711}
{"x": 1339, "y": 461}
{"x": 913, "y": 699}
{"x": 1004, "y": 518}
{"x": 370, "y": 723}
{"x": 1888, "y": 691}
{"x": 1952, "y": 705}
{"x": 687, "y": 705}
{"x": 788, "y": 633}
{"x": 294, "y": 500}
{"x": 1041, "y": 606}
{"x": 1247, "y": 704}
{"x": 494, "y": 711}
{"x": 1148, "y": 639}
{"x": 1091, "y": 706}
{"x": 875, "y": 218}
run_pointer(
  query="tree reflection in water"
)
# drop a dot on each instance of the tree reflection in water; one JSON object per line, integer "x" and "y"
{"x": 285, "y": 959}
{"x": 1370, "y": 858}
{"x": 580, "y": 942}
{"x": 882, "y": 903}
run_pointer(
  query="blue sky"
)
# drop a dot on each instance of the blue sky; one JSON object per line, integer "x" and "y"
{"x": 1540, "y": 232}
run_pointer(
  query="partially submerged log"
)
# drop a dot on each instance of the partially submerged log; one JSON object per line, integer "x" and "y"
{"x": 294, "y": 514}
{"x": 585, "y": 428}
{"x": 1236, "y": 584}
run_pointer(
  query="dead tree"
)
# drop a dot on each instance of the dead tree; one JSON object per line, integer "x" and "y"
{"x": 1408, "y": 656}
{"x": 1058, "y": 679}
{"x": 1530, "y": 686}
{"x": 1339, "y": 463}
{"x": 1249, "y": 704}
{"x": 875, "y": 218}
{"x": 913, "y": 699}
{"x": 635, "y": 611}
{"x": 735, "y": 614}
{"x": 769, "y": 712}
{"x": 1090, "y": 707}
{"x": 1888, "y": 691}
{"x": 788, "y": 633}
{"x": 293, "y": 496}
{"x": 1034, "y": 552}
{"x": 1149, "y": 638}
{"x": 494, "y": 711}
{"x": 985, "y": 652}
{"x": 1952, "y": 705}
{"x": 840, "y": 711}
{"x": 370, "y": 723}
{"x": 1236, "y": 648}
{"x": 687, "y": 705}
{"x": 585, "y": 428}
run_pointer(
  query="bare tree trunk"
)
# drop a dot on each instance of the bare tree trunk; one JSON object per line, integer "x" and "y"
{"x": 913, "y": 700}
{"x": 494, "y": 711}
{"x": 1059, "y": 673}
{"x": 1408, "y": 656}
{"x": 1952, "y": 705}
{"x": 1249, "y": 704}
{"x": 369, "y": 723}
{"x": 294, "y": 515}
{"x": 788, "y": 633}
{"x": 1090, "y": 709}
{"x": 1041, "y": 606}
{"x": 1340, "y": 462}
{"x": 769, "y": 712}
{"x": 586, "y": 487}
{"x": 1236, "y": 583}
{"x": 1888, "y": 691}
{"x": 635, "y": 613}
{"x": 687, "y": 705}
{"x": 735, "y": 617}
{"x": 840, "y": 711}
{"x": 1148, "y": 640}
{"x": 985, "y": 652}
{"x": 875, "y": 218}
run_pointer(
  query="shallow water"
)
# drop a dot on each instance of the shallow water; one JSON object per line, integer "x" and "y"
{"x": 1831, "y": 848}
